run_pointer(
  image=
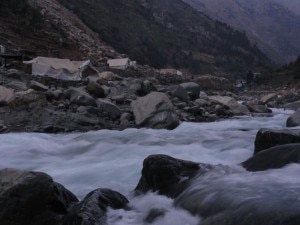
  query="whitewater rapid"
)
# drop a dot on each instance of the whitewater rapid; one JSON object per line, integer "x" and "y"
{"x": 83, "y": 162}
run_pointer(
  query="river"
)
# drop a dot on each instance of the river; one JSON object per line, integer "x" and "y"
{"x": 113, "y": 159}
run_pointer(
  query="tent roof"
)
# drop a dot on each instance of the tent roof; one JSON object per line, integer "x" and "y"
{"x": 55, "y": 63}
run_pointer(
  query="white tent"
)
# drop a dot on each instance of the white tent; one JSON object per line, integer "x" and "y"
{"x": 63, "y": 69}
{"x": 120, "y": 64}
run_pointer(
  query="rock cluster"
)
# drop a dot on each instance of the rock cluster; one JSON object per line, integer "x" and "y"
{"x": 137, "y": 97}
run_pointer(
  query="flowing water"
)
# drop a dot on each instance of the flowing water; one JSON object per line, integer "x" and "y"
{"x": 113, "y": 159}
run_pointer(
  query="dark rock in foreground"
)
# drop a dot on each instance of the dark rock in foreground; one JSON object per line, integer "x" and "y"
{"x": 92, "y": 209}
{"x": 267, "y": 138}
{"x": 32, "y": 198}
{"x": 274, "y": 158}
{"x": 167, "y": 175}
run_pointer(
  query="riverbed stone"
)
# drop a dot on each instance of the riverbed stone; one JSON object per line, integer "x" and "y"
{"x": 95, "y": 89}
{"x": 111, "y": 109}
{"x": 193, "y": 88}
{"x": 80, "y": 97}
{"x": 17, "y": 85}
{"x": 32, "y": 198}
{"x": 258, "y": 108}
{"x": 267, "y": 138}
{"x": 155, "y": 110}
{"x": 181, "y": 93}
{"x": 37, "y": 86}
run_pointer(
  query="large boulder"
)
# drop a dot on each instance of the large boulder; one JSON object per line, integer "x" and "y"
{"x": 142, "y": 88}
{"x": 165, "y": 174}
{"x": 155, "y": 110}
{"x": 6, "y": 95}
{"x": 80, "y": 97}
{"x": 17, "y": 85}
{"x": 274, "y": 158}
{"x": 32, "y": 198}
{"x": 92, "y": 209}
{"x": 294, "y": 120}
{"x": 193, "y": 89}
{"x": 267, "y": 138}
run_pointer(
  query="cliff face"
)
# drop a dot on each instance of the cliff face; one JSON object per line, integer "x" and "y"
{"x": 165, "y": 33}
{"x": 45, "y": 27}
{"x": 274, "y": 25}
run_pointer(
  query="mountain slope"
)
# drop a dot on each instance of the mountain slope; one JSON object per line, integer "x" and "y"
{"x": 166, "y": 33}
{"x": 45, "y": 27}
{"x": 293, "y": 5}
{"x": 275, "y": 29}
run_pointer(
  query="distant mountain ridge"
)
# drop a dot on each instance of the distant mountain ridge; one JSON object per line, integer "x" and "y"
{"x": 293, "y": 5}
{"x": 273, "y": 24}
{"x": 169, "y": 33}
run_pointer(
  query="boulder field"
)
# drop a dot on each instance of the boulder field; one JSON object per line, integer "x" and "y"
{"x": 139, "y": 97}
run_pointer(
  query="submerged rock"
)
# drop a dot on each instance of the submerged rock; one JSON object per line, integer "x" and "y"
{"x": 274, "y": 158}
{"x": 32, "y": 198}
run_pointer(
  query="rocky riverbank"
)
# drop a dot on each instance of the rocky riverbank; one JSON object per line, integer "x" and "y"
{"x": 139, "y": 97}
